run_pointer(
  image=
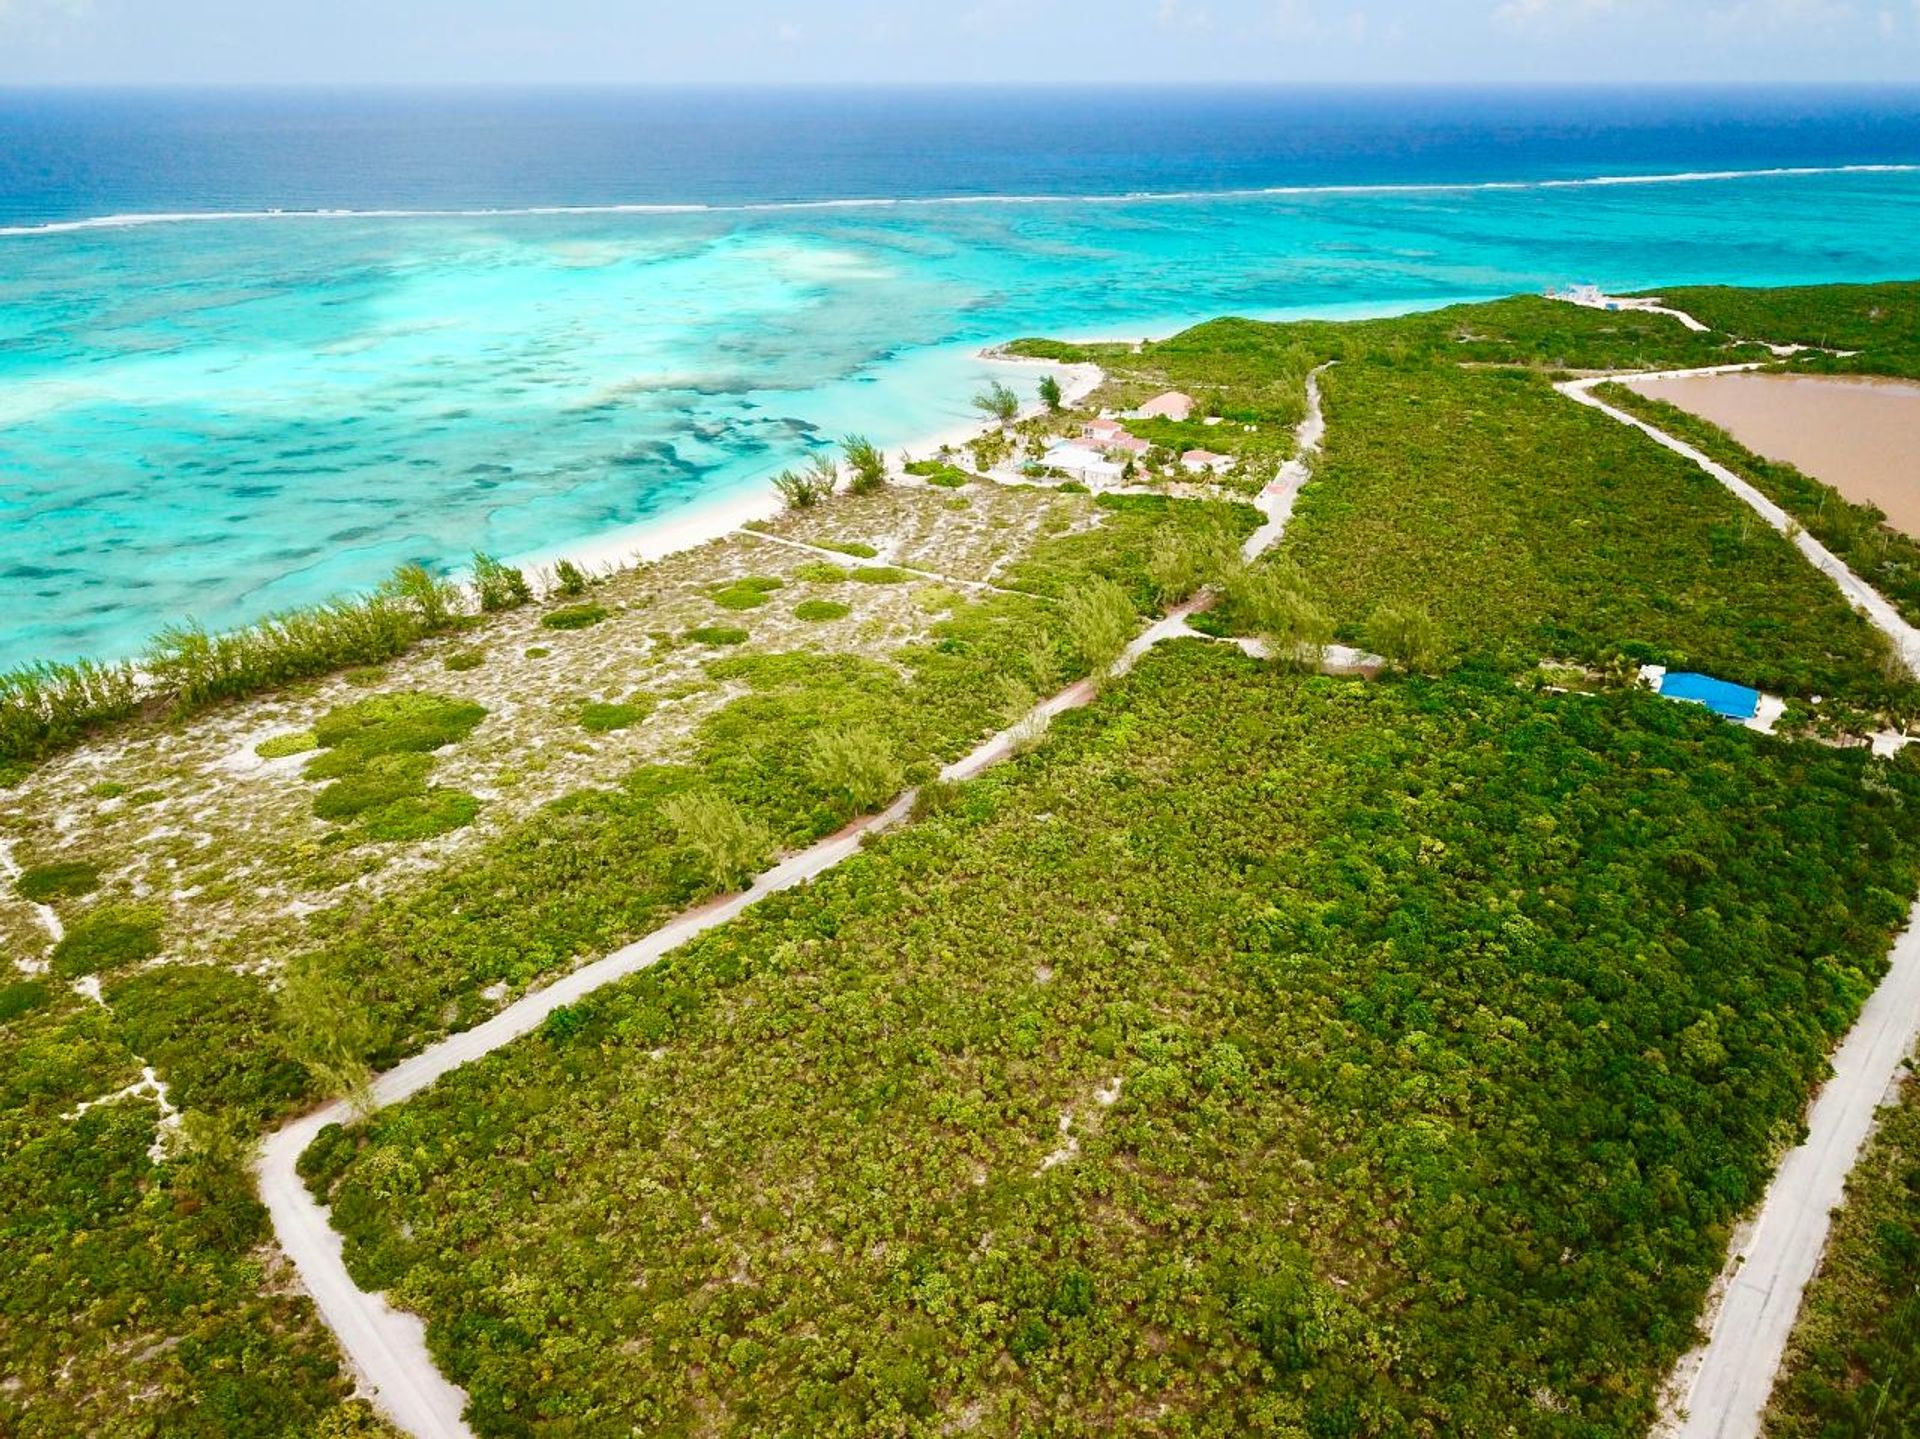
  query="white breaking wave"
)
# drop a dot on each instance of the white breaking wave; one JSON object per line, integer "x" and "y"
{"x": 1691, "y": 177}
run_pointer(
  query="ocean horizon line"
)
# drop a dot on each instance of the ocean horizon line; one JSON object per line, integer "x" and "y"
{"x": 137, "y": 219}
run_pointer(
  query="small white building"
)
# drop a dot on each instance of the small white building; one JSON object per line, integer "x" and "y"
{"x": 1089, "y": 466}
{"x": 1171, "y": 406}
{"x": 1104, "y": 432}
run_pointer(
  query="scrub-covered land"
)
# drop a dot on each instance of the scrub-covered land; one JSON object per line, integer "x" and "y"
{"x": 1259, "y": 1052}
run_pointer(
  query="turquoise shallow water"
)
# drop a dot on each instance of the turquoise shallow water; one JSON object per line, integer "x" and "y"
{"x": 222, "y": 418}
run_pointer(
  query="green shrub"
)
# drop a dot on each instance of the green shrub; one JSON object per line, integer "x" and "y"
{"x": 63, "y": 879}
{"x": 859, "y": 549}
{"x": 803, "y": 489}
{"x": 501, "y": 587}
{"x": 866, "y": 465}
{"x": 407, "y": 722}
{"x": 45, "y": 707}
{"x": 460, "y": 661}
{"x": 108, "y": 789}
{"x": 819, "y": 572}
{"x": 998, "y": 403}
{"x": 882, "y": 575}
{"x": 379, "y": 753}
{"x": 373, "y": 783}
{"x": 856, "y": 764}
{"x": 819, "y": 610}
{"x": 283, "y": 745}
{"x": 104, "y": 940}
{"x": 573, "y": 617}
{"x": 421, "y": 816}
{"x": 22, "y": 997}
{"x": 739, "y": 597}
{"x": 569, "y": 578}
{"x": 1405, "y": 635}
{"x": 717, "y": 635}
{"x": 1101, "y": 620}
{"x": 538, "y": 652}
{"x": 723, "y": 845}
{"x": 596, "y": 718}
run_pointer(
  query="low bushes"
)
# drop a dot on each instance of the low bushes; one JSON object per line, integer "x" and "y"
{"x": 282, "y": 746}
{"x": 881, "y": 575}
{"x": 819, "y": 611}
{"x": 63, "y": 879}
{"x": 573, "y": 617}
{"x": 106, "y": 939}
{"x": 1419, "y": 1042}
{"x": 1853, "y": 1364}
{"x": 1885, "y": 557}
{"x": 46, "y": 707}
{"x": 819, "y": 572}
{"x": 717, "y": 635}
{"x": 378, "y": 753}
{"x": 859, "y": 549}
{"x": 600, "y": 718}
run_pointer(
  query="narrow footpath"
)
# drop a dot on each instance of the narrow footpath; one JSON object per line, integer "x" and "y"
{"x": 387, "y": 1347}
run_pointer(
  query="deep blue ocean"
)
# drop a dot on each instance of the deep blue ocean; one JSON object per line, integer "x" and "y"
{"x": 256, "y": 348}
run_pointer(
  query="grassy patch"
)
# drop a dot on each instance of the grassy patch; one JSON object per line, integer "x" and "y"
{"x": 461, "y": 661}
{"x": 739, "y": 597}
{"x": 818, "y": 611}
{"x": 717, "y": 635}
{"x": 379, "y": 754}
{"x": 881, "y": 575}
{"x": 859, "y": 549}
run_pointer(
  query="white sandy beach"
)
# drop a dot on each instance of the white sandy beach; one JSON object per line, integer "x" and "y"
{"x": 701, "y": 524}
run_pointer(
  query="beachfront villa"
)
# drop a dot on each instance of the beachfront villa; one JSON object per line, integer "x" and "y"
{"x": 1171, "y": 406}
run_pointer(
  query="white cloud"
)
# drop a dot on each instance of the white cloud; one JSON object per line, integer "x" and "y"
{"x": 1181, "y": 15}
{"x": 25, "y": 13}
{"x": 1526, "y": 15}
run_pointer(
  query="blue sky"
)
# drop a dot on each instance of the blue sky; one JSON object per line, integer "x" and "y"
{"x": 645, "y": 41}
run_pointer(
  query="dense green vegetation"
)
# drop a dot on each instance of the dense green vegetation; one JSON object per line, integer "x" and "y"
{"x": 123, "y": 1277}
{"x": 1853, "y": 1366}
{"x": 1881, "y": 322}
{"x": 1886, "y": 558}
{"x": 1532, "y": 527}
{"x": 1450, "y": 1026}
